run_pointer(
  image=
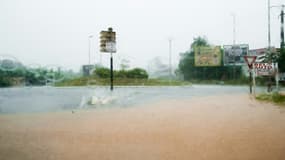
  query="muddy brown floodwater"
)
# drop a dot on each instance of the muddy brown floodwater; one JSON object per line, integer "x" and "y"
{"x": 226, "y": 127}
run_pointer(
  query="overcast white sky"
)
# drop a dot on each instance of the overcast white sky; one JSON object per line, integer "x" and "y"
{"x": 56, "y": 31}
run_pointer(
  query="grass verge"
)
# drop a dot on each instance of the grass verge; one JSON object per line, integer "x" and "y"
{"x": 274, "y": 97}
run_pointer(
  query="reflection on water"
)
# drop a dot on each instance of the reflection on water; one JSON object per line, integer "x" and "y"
{"x": 46, "y": 99}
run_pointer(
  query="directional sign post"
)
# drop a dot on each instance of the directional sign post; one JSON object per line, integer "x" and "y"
{"x": 250, "y": 60}
{"x": 108, "y": 44}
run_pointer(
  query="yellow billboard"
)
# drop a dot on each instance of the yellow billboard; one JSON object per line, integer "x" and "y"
{"x": 208, "y": 56}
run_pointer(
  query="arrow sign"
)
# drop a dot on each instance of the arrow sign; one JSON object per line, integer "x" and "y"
{"x": 249, "y": 60}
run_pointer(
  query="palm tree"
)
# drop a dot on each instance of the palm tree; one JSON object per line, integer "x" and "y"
{"x": 199, "y": 41}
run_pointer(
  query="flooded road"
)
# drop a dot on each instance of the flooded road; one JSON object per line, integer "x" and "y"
{"x": 159, "y": 123}
{"x": 50, "y": 99}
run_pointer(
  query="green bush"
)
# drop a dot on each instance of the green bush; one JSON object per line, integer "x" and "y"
{"x": 136, "y": 73}
{"x": 102, "y": 72}
{"x": 120, "y": 74}
{"x": 273, "y": 97}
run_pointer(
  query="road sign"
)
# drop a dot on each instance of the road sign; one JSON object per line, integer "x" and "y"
{"x": 111, "y": 47}
{"x": 264, "y": 69}
{"x": 107, "y": 37}
{"x": 108, "y": 44}
{"x": 249, "y": 60}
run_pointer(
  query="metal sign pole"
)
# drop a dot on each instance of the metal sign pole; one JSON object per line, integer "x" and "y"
{"x": 108, "y": 44}
{"x": 250, "y": 81}
{"x": 111, "y": 71}
{"x": 277, "y": 77}
{"x": 250, "y": 66}
{"x": 254, "y": 84}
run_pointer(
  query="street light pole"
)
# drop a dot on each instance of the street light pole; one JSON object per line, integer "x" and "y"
{"x": 89, "y": 48}
{"x": 234, "y": 28}
{"x": 89, "y": 52}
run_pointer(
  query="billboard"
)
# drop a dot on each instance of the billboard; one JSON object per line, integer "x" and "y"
{"x": 233, "y": 54}
{"x": 207, "y": 56}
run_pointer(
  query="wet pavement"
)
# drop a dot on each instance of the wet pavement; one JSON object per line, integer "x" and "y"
{"x": 50, "y": 99}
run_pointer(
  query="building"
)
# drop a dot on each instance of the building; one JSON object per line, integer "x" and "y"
{"x": 261, "y": 53}
{"x": 87, "y": 69}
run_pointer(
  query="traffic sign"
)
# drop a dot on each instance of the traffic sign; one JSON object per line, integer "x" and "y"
{"x": 249, "y": 60}
{"x": 108, "y": 44}
{"x": 107, "y": 37}
{"x": 265, "y": 69}
{"x": 111, "y": 47}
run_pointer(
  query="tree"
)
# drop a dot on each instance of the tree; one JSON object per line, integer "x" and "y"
{"x": 199, "y": 41}
{"x": 186, "y": 64}
{"x": 281, "y": 60}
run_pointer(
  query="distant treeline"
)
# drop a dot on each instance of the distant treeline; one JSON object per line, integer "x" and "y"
{"x": 23, "y": 76}
{"x": 20, "y": 76}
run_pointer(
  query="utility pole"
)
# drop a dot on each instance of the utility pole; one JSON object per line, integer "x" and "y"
{"x": 234, "y": 43}
{"x": 269, "y": 32}
{"x": 269, "y": 29}
{"x": 282, "y": 44}
{"x": 89, "y": 48}
{"x": 170, "y": 60}
{"x": 89, "y": 57}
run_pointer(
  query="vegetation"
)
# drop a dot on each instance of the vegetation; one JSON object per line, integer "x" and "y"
{"x": 100, "y": 76}
{"x": 136, "y": 73}
{"x": 37, "y": 76}
{"x": 274, "y": 97}
{"x": 200, "y": 41}
{"x": 281, "y": 60}
{"x": 132, "y": 77}
{"x": 137, "y": 76}
{"x": 82, "y": 81}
